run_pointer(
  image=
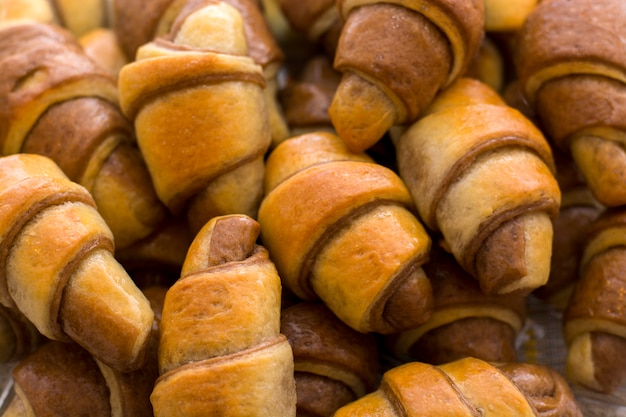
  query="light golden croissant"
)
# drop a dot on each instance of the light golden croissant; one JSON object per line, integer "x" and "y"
{"x": 594, "y": 320}
{"x": 61, "y": 104}
{"x": 205, "y": 159}
{"x": 101, "y": 45}
{"x": 395, "y": 57}
{"x": 482, "y": 175}
{"x": 334, "y": 364}
{"x": 571, "y": 61}
{"x": 340, "y": 228}
{"x": 58, "y": 268}
{"x": 77, "y": 16}
{"x": 467, "y": 387}
{"x": 138, "y": 23}
{"x": 220, "y": 349}
{"x": 465, "y": 320}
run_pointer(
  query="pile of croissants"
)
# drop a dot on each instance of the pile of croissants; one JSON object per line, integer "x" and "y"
{"x": 248, "y": 207}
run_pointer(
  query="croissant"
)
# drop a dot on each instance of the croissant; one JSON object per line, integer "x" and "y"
{"x": 340, "y": 229}
{"x": 59, "y": 379}
{"x": 467, "y": 387}
{"x": 570, "y": 57}
{"x": 138, "y": 23}
{"x": 101, "y": 45}
{"x": 465, "y": 321}
{"x": 395, "y": 57}
{"x": 220, "y": 347}
{"x": 334, "y": 364}
{"x": 482, "y": 175}
{"x": 58, "y": 268}
{"x": 204, "y": 161}
{"x": 504, "y": 16}
{"x": 577, "y": 212}
{"x": 594, "y": 323}
{"x": 307, "y": 97}
{"x": 60, "y": 104}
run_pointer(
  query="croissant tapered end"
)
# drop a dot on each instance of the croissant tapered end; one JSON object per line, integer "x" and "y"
{"x": 360, "y": 112}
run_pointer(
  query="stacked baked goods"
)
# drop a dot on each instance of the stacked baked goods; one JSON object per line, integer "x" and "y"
{"x": 329, "y": 208}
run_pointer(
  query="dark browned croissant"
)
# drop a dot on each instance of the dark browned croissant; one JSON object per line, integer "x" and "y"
{"x": 571, "y": 60}
{"x": 595, "y": 318}
{"x": 395, "y": 56}
{"x": 334, "y": 364}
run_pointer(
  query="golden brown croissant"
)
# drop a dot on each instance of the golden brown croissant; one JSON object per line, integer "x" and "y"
{"x": 334, "y": 364}
{"x": 205, "y": 160}
{"x": 482, "y": 175}
{"x": 395, "y": 57}
{"x": 467, "y": 387}
{"x": 58, "y": 268}
{"x": 138, "y": 23}
{"x": 465, "y": 321}
{"x": 61, "y": 104}
{"x": 340, "y": 228}
{"x": 220, "y": 350}
{"x": 595, "y": 320}
{"x": 572, "y": 68}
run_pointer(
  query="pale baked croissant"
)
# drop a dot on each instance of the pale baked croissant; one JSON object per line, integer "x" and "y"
{"x": 220, "y": 349}
{"x": 594, "y": 321}
{"x": 334, "y": 364}
{"x": 395, "y": 57}
{"x": 57, "y": 265}
{"x": 61, "y": 104}
{"x": 198, "y": 106}
{"x": 467, "y": 387}
{"x": 465, "y": 320}
{"x": 570, "y": 56}
{"x": 482, "y": 175}
{"x": 340, "y": 228}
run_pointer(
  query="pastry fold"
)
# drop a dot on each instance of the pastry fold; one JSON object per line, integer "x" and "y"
{"x": 482, "y": 175}
{"x": 594, "y": 320}
{"x": 340, "y": 228}
{"x": 570, "y": 57}
{"x": 395, "y": 57}
{"x": 57, "y": 265}
{"x": 220, "y": 349}
{"x": 61, "y": 104}
{"x": 205, "y": 159}
{"x": 467, "y": 387}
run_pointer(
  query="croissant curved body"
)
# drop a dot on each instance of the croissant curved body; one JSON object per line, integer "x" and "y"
{"x": 62, "y": 105}
{"x": 570, "y": 59}
{"x": 594, "y": 323}
{"x": 395, "y": 57}
{"x": 358, "y": 248}
{"x": 203, "y": 160}
{"x": 485, "y": 181}
{"x": 467, "y": 387}
{"x": 57, "y": 265}
{"x": 220, "y": 349}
